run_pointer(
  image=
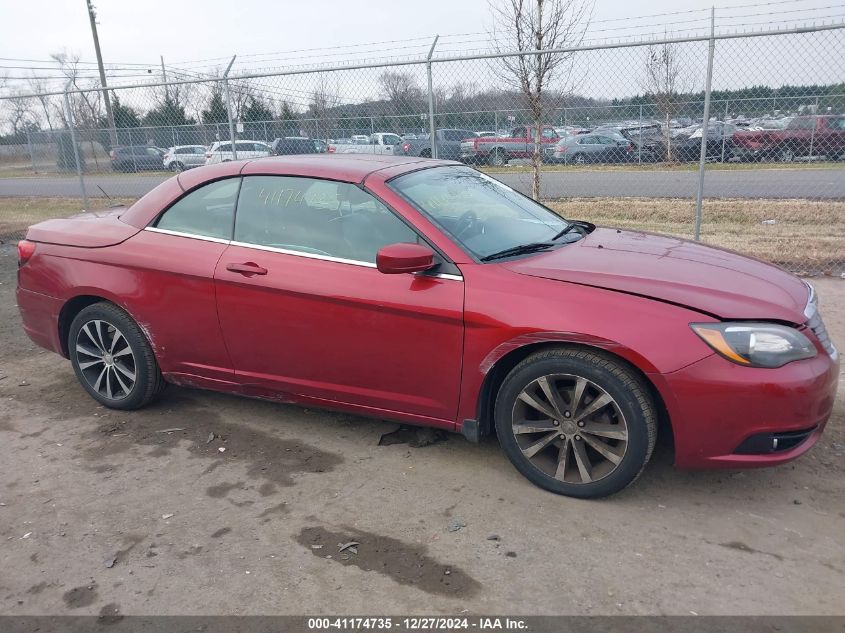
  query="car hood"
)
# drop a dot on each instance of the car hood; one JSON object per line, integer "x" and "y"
{"x": 710, "y": 280}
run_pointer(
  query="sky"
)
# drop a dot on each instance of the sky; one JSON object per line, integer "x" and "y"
{"x": 197, "y": 37}
{"x": 187, "y": 30}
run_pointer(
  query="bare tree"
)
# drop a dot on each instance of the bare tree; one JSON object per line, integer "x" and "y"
{"x": 665, "y": 80}
{"x": 38, "y": 87}
{"x": 402, "y": 91}
{"x": 324, "y": 101}
{"x": 86, "y": 105}
{"x": 19, "y": 112}
{"x": 538, "y": 25}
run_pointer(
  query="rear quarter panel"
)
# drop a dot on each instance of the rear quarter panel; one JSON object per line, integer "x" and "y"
{"x": 164, "y": 282}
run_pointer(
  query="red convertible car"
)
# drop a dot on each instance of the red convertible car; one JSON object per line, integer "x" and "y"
{"x": 426, "y": 292}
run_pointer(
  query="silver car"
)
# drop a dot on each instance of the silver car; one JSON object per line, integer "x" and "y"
{"x": 184, "y": 157}
{"x": 591, "y": 148}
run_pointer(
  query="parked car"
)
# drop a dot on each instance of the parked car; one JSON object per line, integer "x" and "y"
{"x": 647, "y": 143}
{"x": 498, "y": 150}
{"x": 294, "y": 145}
{"x": 719, "y": 143}
{"x": 485, "y": 134}
{"x": 136, "y": 158}
{"x": 442, "y": 298}
{"x": 448, "y": 144}
{"x": 385, "y": 143}
{"x": 810, "y": 135}
{"x": 184, "y": 157}
{"x": 591, "y": 148}
{"x": 221, "y": 151}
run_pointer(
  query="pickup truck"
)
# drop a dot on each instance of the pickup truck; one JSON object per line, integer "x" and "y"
{"x": 812, "y": 135}
{"x": 448, "y": 144}
{"x": 384, "y": 143}
{"x": 498, "y": 150}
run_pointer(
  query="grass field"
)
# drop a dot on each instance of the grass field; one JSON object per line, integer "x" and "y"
{"x": 806, "y": 237}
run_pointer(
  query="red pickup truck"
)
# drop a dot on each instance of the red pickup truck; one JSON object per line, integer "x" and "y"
{"x": 498, "y": 150}
{"x": 814, "y": 135}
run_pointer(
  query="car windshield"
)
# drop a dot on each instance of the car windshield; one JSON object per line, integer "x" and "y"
{"x": 480, "y": 213}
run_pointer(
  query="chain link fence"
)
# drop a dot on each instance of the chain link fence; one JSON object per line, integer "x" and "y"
{"x": 748, "y": 156}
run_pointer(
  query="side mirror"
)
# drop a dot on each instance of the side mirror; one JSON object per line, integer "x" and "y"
{"x": 399, "y": 258}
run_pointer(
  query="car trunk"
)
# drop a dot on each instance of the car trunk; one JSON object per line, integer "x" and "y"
{"x": 93, "y": 229}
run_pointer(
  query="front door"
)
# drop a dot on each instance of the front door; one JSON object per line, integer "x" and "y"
{"x": 305, "y": 311}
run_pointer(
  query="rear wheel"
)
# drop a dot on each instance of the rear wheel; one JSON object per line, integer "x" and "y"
{"x": 426, "y": 153}
{"x": 579, "y": 159}
{"x": 177, "y": 166}
{"x": 498, "y": 158}
{"x": 112, "y": 358}
{"x": 576, "y": 422}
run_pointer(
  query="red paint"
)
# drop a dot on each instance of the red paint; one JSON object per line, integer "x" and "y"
{"x": 396, "y": 259}
{"x": 415, "y": 347}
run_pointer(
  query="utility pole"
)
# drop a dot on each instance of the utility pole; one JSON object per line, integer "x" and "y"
{"x": 164, "y": 78}
{"x": 92, "y": 15}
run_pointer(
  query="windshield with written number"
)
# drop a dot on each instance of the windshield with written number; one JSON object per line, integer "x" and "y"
{"x": 480, "y": 213}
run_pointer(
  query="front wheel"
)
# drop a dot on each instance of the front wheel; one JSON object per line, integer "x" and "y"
{"x": 576, "y": 422}
{"x": 176, "y": 166}
{"x": 112, "y": 358}
{"x": 498, "y": 158}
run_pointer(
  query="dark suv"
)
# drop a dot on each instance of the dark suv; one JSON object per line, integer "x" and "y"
{"x": 294, "y": 145}
{"x": 136, "y": 158}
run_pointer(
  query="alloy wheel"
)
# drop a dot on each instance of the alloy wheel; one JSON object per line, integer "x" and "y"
{"x": 105, "y": 359}
{"x": 570, "y": 428}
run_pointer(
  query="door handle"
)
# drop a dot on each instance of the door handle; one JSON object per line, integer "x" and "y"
{"x": 247, "y": 269}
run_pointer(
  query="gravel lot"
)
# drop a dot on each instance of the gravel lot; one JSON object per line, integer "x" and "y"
{"x": 104, "y": 512}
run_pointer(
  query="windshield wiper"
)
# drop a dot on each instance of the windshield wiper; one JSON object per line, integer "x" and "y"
{"x": 573, "y": 224}
{"x": 522, "y": 249}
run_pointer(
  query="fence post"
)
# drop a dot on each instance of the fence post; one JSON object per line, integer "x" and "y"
{"x": 431, "y": 127}
{"x": 640, "y": 144}
{"x": 229, "y": 109}
{"x": 813, "y": 131}
{"x": 31, "y": 154}
{"x": 69, "y": 117}
{"x": 705, "y": 123}
{"x": 724, "y": 127}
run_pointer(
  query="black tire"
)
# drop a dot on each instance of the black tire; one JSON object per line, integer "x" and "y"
{"x": 177, "y": 166}
{"x": 148, "y": 382}
{"x": 498, "y": 158}
{"x": 426, "y": 153}
{"x": 579, "y": 159}
{"x": 629, "y": 393}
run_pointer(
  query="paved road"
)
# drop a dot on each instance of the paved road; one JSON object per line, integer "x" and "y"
{"x": 719, "y": 183}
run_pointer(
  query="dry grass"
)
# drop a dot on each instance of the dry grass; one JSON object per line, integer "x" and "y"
{"x": 808, "y": 236}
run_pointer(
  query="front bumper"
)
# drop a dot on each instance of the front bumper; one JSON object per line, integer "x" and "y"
{"x": 719, "y": 410}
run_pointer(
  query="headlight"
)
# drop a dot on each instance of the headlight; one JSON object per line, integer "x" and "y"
{"x": 756, "y": 344}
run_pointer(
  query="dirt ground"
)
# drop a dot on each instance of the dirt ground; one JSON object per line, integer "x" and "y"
{"x": 142, "y": 513}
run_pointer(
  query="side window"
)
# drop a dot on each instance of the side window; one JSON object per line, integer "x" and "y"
{"x": 317, "y": 217}
{"x": 549, "y": 133}
{"x": 206, "y": 211}
{"x": 225, "y": 147}
{"x": 518, "y": 132}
